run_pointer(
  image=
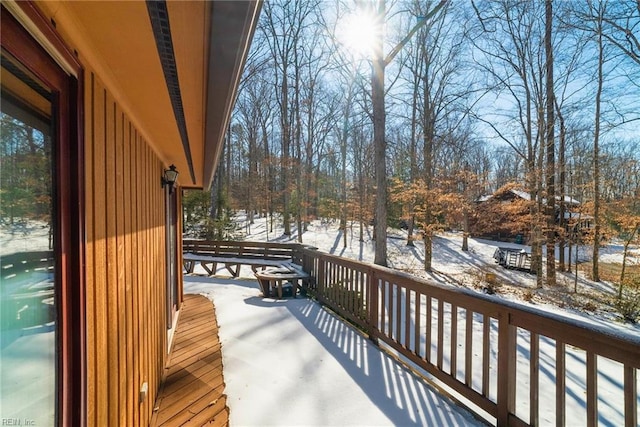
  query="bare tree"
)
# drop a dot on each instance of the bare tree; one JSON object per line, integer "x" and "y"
{"x": 509, "y": 37}
{"x": 284, "y": 23}
{"x": 379, "y": 142}
{"x": 620, "y": 28}
{"x": 610, "y": 29}
{"x": 550, "y": 146}
{"x": 596, "y": 148}
{"x": 380, "y": 62}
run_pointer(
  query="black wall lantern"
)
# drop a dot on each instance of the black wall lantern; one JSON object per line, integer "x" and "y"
{"x": 169, "y": 178}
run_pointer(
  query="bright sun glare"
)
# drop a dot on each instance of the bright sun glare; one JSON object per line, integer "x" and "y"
{"x": 358, "y": 34}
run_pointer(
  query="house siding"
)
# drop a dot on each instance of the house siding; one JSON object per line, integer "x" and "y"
{"x": 125, "y": 263}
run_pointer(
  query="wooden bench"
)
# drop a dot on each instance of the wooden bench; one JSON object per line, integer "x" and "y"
{"x": 271, "y": 279}
{"x": 232, "y": 264}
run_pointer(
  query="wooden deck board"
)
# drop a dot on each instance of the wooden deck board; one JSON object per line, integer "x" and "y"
{"x": 192, "y": 390}
{"x": 182, "y": 355}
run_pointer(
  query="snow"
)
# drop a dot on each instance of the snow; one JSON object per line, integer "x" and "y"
{"x": 24, "y": 237}
{"x": 452, "y": 266}
{"x": 291, "y": 362}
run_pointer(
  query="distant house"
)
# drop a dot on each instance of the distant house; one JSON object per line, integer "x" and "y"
{"x": 577, "y": 221}
{"x": 505, "y": 215}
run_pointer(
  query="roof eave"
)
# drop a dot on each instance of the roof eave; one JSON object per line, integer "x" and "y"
{"x": 228, "y": 51}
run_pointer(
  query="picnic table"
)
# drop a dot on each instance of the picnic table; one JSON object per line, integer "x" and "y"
{"x": 271, "y": 279}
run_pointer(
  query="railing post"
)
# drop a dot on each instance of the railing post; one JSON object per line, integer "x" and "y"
{"x": 321, "y": 278}
{"x": 372, "y": 304}
{"x": 506, "y": 369}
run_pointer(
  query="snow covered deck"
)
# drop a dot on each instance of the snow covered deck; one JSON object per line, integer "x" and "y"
{"x": 291, "y": 362}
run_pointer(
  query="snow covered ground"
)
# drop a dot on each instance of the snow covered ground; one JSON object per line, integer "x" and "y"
{"x": 295, "y": 352}
{"x": 452, "y": 266}
{"x": 24, "y": 237}
{"x": 290, "y": 362}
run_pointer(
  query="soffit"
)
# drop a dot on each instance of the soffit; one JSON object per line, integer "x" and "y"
{"x": 115, "y": 39}
{"x": 121, "y": 38}
{"x": 232, "y": 27}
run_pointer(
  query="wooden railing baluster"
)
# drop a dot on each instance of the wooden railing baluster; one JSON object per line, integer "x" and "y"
{"x": 440, "y": 333}
{"x": 561, "y": 389}
{"x": 534, "y": 379}
{"x": 408, "y": 320}
{"x": 506, "y": 369}
{"x": 418, "y": 323}
{"x": 453, "y": 352}
{"x": 372, "y": 303}
{"x": 397, "y": 294}
{"x": 630, "y": 396}
{"x": 486, "y": 347}
{"x": 468, "y": 347}
{"x": 592, "y": 389}
{"x": 427, "y": 347}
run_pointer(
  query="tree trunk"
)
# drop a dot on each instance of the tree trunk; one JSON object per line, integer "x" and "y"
{"x": 413, "y": 149}
{"x": 286, "y": 151}
{"x": 297, "y": 164}
{"x": 539, "y": 218}
{"x": 625, "y": 253}
{"x": 380, "y": 162}
{"x": 428, "y": 249}
{"x": 465, "y": 230}
{"x": 563, "y": 192}
{"x": 428, "y": 132}
{"x": 596, "y": 155}
{"x": 550, "y": 142}
{"x": 343, "y": 155}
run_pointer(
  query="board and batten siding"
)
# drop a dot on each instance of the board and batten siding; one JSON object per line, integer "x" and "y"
{"x": 125, "y": 264}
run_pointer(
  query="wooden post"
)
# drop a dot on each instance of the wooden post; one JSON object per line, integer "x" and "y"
{"x": 320, "y": 277}
{"x": 372, "y": 305}
{"x": 506, "y": 369}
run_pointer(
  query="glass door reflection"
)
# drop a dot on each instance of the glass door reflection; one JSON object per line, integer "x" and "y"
{"x": 27, "y": 288}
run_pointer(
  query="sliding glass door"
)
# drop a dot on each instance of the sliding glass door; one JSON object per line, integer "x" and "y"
{"x": 27, "y": 241}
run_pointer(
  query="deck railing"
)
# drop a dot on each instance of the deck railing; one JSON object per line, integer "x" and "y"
{"x": 518, "y": 365}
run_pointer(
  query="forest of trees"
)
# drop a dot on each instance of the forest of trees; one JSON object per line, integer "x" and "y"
{"x": 476, "y": 95}
{"x": 25, "y": 176}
